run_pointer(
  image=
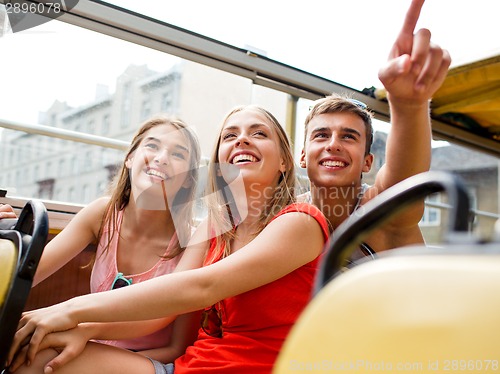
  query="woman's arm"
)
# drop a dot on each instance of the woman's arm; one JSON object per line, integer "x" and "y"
{"x": 80, "y": 232}
{"x": 184, "y": 334}
{"x": 295, "y": 237}
{"x": 287, "y": 243}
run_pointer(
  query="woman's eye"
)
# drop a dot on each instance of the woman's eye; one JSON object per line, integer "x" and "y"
{"x": 179, "y": 155}
{"x": 228, "y": 136}
{"x": 260, "y": 133}
{"x": 151, "y": 145}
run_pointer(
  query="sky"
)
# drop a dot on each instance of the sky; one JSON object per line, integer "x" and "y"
{"x": 345, "y": 41}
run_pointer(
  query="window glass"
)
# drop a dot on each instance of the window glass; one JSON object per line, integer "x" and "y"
{"x": 345, "y": 41}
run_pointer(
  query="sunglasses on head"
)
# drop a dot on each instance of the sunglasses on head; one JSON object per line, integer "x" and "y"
{"x": 120, "y": 281}
{"x": 358, "y": 103}
{"x": 211, "y": 321}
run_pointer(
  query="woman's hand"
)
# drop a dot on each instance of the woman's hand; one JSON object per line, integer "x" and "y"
{"x": 35, "y": 325}
{"x": 68, "y": 345}
{"x": 6, "y": 211}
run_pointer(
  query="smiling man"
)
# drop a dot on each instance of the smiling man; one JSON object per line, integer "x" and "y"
{"x": 338, "y": 136}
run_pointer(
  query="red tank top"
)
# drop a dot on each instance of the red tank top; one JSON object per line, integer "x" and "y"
{"x": 255, "y": 323}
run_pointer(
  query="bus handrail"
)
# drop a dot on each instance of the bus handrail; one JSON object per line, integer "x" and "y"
{"x": 57, "y": 132}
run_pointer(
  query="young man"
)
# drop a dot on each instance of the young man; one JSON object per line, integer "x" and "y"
{"x": 338, "y": 136}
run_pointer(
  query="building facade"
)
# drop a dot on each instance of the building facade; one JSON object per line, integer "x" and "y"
{"x": 48, "y": 168}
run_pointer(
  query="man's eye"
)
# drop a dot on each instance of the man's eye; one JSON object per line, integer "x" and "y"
{"x": 320, "y": 135}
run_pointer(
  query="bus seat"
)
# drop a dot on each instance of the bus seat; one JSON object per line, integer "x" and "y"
{"x": 8, "y": 262}
{"x": 20, "y": 252}
{"x": 418, "y": 310}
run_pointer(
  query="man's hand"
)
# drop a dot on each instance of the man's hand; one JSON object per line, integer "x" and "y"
{"x": 416, "y": 67}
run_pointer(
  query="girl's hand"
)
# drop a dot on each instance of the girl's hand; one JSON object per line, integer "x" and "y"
{"x": 6, "y": 211}
{"x": 68, "y": 345}
{"x": 35, "y": 325}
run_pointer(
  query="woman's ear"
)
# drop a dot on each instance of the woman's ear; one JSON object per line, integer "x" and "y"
{"x": 128, "y": 163}
{"x": 283, "y": 167}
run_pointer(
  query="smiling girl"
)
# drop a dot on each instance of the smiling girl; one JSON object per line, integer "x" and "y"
{"x": 142, "y": 228}
{"x": 257, "y": 276}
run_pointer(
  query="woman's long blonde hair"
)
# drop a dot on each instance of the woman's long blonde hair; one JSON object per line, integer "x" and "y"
{"x": 182, "y": 207}
{"x": 222, "y": 214}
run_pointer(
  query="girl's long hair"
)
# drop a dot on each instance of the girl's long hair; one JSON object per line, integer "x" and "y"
{"x": 181, "y": 208}
{"x": 222, "y": 213}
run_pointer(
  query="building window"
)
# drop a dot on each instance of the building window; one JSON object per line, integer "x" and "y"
{"x": 53, "y": 120}
{"x": 48, "y": 168}
{"x": 62, "y": 165}
{"x": 88, "y": 161}
{"x": 101, "y": 188}
{"x": 74, "y": 165}
{"x": 72, "y": 195}
{"x": 46, "y": 189}
{"x": 91, "y": 127}
{"x": 146, "y": 109}
{"x": 166, "y": 102}
{"x": 126, "y": 105}
{"x": 432, "y": 215}
{"x": 86, "y": 193}
{"x": 105, "y": 124}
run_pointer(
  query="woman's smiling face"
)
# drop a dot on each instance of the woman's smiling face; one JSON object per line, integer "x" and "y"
{"x": 249, "y": 143}
{"x": 160, "y": 165}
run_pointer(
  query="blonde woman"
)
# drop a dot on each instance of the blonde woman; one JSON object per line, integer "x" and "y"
{"x": 260, "y": 259}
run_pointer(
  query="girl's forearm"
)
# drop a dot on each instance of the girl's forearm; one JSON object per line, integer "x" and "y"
{"x": 123, "y": 330}
{"x": 156, "y": 298}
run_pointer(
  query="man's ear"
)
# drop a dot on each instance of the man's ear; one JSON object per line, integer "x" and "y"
{"x": 303, "y": 159}
{"x": 368, "y": 163}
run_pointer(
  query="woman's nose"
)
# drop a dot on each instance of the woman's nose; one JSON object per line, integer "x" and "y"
{"x": 161, "y": 157}
{"x": 242, "y": 139}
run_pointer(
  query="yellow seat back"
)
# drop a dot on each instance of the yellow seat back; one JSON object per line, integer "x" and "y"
{"x": 20, "y": 251}
{"x": 8, "y": 263}
{"x": 421, "y": 313}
